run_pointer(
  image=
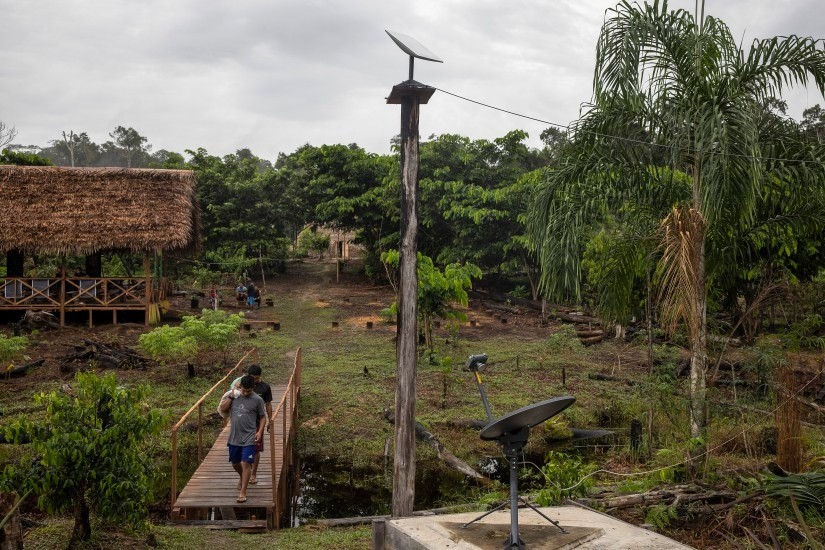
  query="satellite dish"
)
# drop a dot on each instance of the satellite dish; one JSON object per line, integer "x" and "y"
{"x": 413, "y": 47}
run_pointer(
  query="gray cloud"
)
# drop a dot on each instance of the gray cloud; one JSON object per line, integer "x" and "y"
{"x": 274, "y": 75}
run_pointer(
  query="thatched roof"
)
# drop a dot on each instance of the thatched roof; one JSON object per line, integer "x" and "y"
{"x": 52, "y": 210}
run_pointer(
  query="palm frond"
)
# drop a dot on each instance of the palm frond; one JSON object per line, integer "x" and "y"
{"x": 680, "y": 293}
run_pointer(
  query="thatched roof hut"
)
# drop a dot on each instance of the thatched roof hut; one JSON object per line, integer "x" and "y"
{"x": 55, "y": 210}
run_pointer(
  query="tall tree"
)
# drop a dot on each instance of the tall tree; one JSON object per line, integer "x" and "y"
{"x": 813, "y": 123}
{"x": 131, "y": 143}
{"x": 70, "y": 143}
{"x": 672, "y": 88}
{"x": 7, "y": 134}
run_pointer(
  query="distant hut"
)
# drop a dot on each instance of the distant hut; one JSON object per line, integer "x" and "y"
{"x": 84, "y": 212}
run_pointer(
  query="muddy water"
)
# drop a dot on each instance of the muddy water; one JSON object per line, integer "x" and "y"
{"x": 330, "y": 489}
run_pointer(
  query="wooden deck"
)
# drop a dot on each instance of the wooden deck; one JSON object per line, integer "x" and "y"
{"x": 61, "y": 294}
{"x": 210, "y": 495}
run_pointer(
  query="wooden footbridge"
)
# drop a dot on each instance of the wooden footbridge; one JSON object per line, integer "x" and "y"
{"x": 209, "y": 498}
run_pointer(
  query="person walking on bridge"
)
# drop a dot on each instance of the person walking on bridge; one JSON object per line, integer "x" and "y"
{"x": 248, "y": 418}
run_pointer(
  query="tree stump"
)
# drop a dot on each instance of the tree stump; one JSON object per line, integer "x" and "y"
{"x": 11, "y": 536}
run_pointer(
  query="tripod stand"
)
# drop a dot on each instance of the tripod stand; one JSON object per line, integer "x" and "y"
{"x": 511, "y": 432}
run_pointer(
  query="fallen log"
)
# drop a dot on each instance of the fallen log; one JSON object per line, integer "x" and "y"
{"x": 607, "y": 378}
{"x": 107, "y": 356}
{"x": 501, "y": 307}
{"x": 591, "y": 340}
{"x": 678, "y": 496}
{"x": 39, "y": 320}
{"x": 443, "y": 453}
{"x": 589, "y": 333}
{"x": 17, "y": 372}
{"x": 573, "y": 318}
{"x": 628, "y": 501}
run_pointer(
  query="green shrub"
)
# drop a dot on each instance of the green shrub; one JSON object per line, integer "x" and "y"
{"x": 560, "y": 472}
{"x": 168, "y": 343}
{"x": 11, "y": 348}
{"x": 211, "y": 330}
{"x": 91, "y": 453}
{"x": 214, "y": 329}
{"x": 564, "y": 339}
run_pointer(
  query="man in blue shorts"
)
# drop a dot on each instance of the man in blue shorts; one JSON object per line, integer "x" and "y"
{"x": 248, "y": 418}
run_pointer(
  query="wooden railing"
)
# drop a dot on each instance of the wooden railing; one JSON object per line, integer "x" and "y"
{"x": 287, "y": 408}
{"x": 199, "y": 406}
{"x": 77, "y": 292}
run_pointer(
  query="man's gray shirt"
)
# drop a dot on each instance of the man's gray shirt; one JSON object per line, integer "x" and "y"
{"x": 245, "y": 412}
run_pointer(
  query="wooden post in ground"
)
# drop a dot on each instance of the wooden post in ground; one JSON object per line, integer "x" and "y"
{"x": 410, "y": 94}
{"x": 62, "y": 291}
{"x": 148, "y": 276}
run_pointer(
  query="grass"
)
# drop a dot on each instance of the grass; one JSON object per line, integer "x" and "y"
{"x": 349, "y": 379}
{"x": 55, "y": 533}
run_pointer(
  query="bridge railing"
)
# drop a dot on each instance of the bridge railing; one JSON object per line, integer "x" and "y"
{"x": 286, "y": 411}
{"x": 199, "y": 406}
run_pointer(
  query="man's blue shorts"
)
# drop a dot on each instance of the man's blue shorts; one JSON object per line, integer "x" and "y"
{"x": 241, "y": 454}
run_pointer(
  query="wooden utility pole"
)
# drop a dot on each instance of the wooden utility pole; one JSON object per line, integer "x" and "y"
{"x": 410, "y": 95}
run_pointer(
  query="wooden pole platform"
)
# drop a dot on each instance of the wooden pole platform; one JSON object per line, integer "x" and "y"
{"x": 215, "y": 483}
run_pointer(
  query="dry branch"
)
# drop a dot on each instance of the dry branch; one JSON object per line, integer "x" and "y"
{"x": 443, "y": 453}
{"x": 109, "y": 356}
{"x": 608, "y": 378}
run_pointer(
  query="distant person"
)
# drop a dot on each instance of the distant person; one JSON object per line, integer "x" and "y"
{"x": 248, "y": 418}
{"x": 214, "y": 298}
{"x": 240, "y": 291}
{"x": 250, "y": 293}
{"x": 257, "y": 297}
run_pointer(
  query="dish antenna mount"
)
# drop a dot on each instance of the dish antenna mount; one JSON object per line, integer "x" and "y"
{"x": 413, "y": 48}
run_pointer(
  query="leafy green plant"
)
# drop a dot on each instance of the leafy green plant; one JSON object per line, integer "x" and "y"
{"x": 808, "y": 489}
{"x": 90, "y": 453}
{"x": 231, "y": 259}
{"x": 438, "y": 290}
{"x": 310, "y": 240}
{"x": 804, "y": 334}
{"x": 560, "y": 472}
{"x": 388, "y": 314}
{"x": 211, "y": 330}
{"x": 564, "y": 339}
{"x": 661, "y": 516}
{"x": 168, "y": 343}
{"x": 520, "y": 292}
{"x": 214, "y": 329}
{"x": 203, "y": 276}
{"x": 11, "y": 348}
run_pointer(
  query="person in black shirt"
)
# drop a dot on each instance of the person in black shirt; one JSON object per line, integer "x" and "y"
{"x": 262, "y": 389}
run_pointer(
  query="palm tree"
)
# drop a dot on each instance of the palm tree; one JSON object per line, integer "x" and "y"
{"x": 674, "y": 90}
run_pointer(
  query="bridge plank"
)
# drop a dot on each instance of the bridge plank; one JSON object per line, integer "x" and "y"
{"x": 214, "y": 483}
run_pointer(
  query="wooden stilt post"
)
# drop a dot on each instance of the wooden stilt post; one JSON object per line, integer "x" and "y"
{"x": 410, "y": 94}
{"x": 62, "y": 291}
{"x": 148, "y": 275}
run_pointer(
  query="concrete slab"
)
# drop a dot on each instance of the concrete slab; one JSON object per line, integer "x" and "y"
{"x": 587, "y": 530}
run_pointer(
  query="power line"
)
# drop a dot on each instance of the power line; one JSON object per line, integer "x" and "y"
{"x": 685, "y": 149}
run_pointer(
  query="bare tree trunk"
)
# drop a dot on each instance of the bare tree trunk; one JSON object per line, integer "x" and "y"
{"x": 82, "y": 527}
{"x": 649, "y": 315}
{"x": 403, "y": 486}
{"x": 699, "y": 346}
{"x": 789, "y": 452}
{"x": 11, "y": 535}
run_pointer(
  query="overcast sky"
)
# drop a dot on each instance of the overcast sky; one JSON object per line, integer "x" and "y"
{"x": 272, "y": 75}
